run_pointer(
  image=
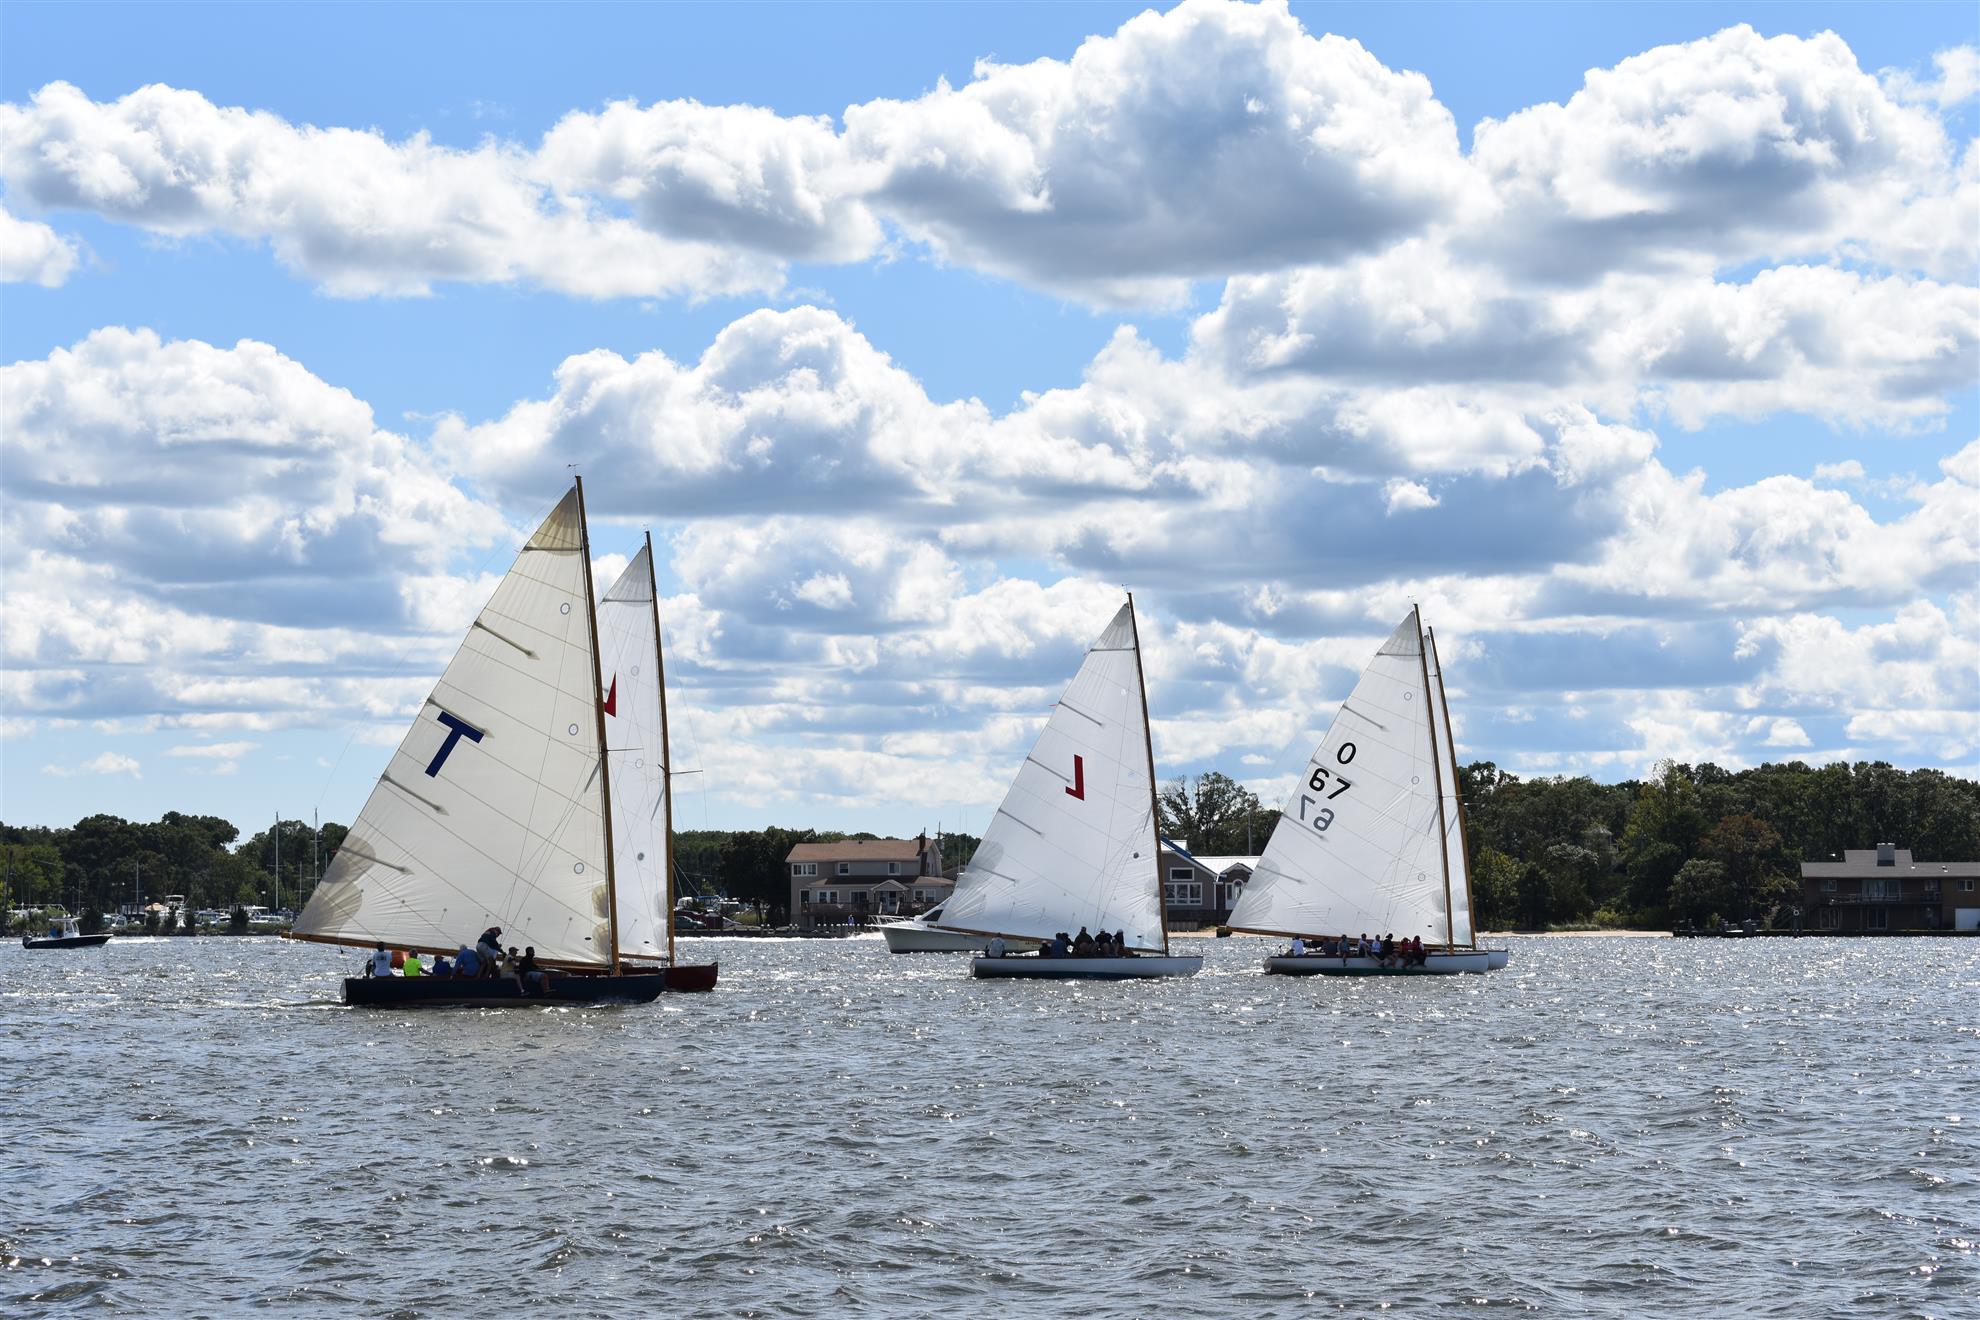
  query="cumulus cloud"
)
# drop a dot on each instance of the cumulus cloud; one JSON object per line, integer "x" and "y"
{"x": 1711, "y": 152}
{"x": 107, "y": 763}
{"x": 218, "y": 473}
{"x": 1211, "y": 141}
{"x": 33, "y": 253}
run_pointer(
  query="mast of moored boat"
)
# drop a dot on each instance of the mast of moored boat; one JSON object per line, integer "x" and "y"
{"x": 666, "y": 762}
{"x": 1457, "y": 791}
{"x": 1436, "y": 778}
{"x": 1154, "y": 804}
{"x": 598, "y": 712}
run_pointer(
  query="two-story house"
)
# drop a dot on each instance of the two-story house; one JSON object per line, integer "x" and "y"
{"x": 855, "y": 880}
{"x": 1883, "y": 889}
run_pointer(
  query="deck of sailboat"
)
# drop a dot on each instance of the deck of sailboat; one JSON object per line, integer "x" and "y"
{"x": 1142, "y": 967}
{"x": 1333, "y": 964}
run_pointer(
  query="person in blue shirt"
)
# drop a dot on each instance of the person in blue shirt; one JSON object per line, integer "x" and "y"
{"x": 467, "y": 963}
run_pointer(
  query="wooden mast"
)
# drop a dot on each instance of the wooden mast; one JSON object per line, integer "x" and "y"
{"x": 1437, "y": 778}
{"x": 1154, "y": 806}
{"x": 1457, "y": 793}
{"x": 598, "y": 711}
{"x": 666, "y": 762}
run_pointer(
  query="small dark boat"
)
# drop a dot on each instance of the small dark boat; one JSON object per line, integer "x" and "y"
{"x": 64, "y": 934}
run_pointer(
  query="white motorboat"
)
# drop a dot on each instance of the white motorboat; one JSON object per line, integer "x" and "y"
{"x": 64, "y": 933}
{"x": 1372, "y": 839}
{"x": 1074, "y": 845}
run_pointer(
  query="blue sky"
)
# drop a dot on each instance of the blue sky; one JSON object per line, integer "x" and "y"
{"x": 1659, "y": 394}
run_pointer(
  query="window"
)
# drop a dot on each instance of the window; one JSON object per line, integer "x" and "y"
{"x": 1183, "y": 895}
{"x": 893, "y": 868}
{"x": 1876, "y": 919}
{"x": 1885, "y": 888}
{"x": 860, "y": 896}
{"x": 804, "y": 898}
{"x": 1829, "y": 885}
{"x": 1182, "y": 873}
{"x": 804, "y": 868}
{"x": 845, "y": 868}
{"x": 1966, "y": 886}
{"x": 828, "y": 897}
{"x": 1828, "y": 918}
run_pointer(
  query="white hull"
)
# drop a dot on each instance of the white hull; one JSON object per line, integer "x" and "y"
{"x": 912, "y": 936}
{"x": 1146, "y": 967}
{"x": 1435, "y": 964}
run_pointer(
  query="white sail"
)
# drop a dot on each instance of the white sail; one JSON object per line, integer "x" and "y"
{"x": 1358, "y": 848}
{"x": 489, "y": 811}
{"x": 1446, "y": 744}
{"x": 635, "y": 742}
{"x": 1074, "y": 842}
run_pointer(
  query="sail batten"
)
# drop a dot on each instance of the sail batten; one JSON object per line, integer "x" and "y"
{"x": 489, "y": 812}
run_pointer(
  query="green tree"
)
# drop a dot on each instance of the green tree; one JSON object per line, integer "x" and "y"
{"x": 1750, "y": 853}
{"x": 1494, "y": 890}
{"x": 1211, "y": 815}
{"x": 1701, "y": 893}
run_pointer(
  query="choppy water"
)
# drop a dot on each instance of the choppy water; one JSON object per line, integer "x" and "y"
{"x": 1612, "y": 1126}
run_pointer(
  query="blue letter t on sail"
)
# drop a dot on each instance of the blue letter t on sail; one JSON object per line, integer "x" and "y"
{"x": 456, "y": 727}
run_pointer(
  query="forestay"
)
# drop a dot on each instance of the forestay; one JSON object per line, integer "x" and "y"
{"x": 1074, "y": 842}
{"x": 489, "y": 811}
{"x": 629, "y": 668}
{"x": 1453, "y": 822}
{"x": 1358, "y": 849}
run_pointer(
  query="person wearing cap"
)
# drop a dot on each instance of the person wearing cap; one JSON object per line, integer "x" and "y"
{"x": 489, "y": 946}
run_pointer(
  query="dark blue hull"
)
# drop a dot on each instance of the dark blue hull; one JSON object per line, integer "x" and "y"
{"x": 499, "y": 992}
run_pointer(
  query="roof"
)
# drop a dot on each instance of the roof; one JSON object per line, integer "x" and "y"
{"x": 858, "y": 850}
{"x": 1214, "y": 865}
{"x": 1861, "y": 864}
{"x": 1223, "y": 864}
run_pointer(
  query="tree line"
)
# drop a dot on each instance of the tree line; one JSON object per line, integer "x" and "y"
{"x": 103, "y": 862}
{"x": 1688, "y": 844}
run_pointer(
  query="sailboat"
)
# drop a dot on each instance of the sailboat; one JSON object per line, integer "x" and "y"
{"x": 1372, "y": 838}
{"x": 1074, "y": 844}
{"x": 498, "y": 807}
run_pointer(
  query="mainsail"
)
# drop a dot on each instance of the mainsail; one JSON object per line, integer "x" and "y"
{"x": 636, "y": 743}
{"x": 491, "y": 810}
{"x": 1453, "y": 821}
{"x": 1359, "y": 847}
{"x": 1074, "y": 842}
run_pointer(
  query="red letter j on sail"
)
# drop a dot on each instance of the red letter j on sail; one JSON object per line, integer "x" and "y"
{"x": 1078, "y": 786}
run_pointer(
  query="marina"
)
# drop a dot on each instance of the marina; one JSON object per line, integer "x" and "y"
{"x": 1611, "y": 1126}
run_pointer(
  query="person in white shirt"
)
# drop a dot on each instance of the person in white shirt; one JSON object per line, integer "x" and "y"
{"x": 381, "y": 961}
{"x": 1298, "y": 947}
{"x": 996, "y": 949}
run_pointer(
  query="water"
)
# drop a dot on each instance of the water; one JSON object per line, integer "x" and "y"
{"x": 1611, "y": 1127}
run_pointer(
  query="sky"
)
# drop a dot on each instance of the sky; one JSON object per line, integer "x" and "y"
{"x": 1638, "y": 344}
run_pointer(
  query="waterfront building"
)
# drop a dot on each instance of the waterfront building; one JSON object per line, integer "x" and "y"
{"x": 1875, "y": 890}
{"x": 1200, "y": 891}
{"x": 856, "y": 880}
